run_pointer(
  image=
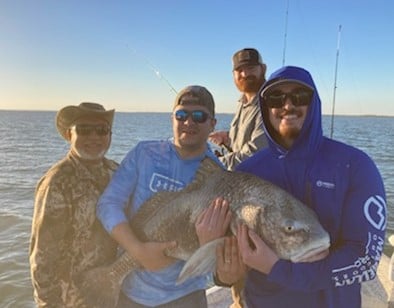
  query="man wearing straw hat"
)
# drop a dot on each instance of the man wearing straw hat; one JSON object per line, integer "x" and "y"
{"x": 66, "y": 237}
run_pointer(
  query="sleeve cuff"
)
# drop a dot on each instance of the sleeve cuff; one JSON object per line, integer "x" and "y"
{"x": 219, "y": 283}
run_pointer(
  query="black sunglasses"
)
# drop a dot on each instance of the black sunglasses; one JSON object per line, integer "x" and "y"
{"x": 88, "y": 129}
{"x": 198, "y": 116}
{"x": 277, "y": 99}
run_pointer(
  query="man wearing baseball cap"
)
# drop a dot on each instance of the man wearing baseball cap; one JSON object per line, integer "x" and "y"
{"x": 246, "y": 135}
{"x": 66, "y": 238}
{"x": 154, "y": 166}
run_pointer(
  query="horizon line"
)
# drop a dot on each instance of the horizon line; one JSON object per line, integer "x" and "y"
{"x": 229, "y": 113}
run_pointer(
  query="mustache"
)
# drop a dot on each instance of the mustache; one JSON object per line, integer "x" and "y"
{"x": 289, "y": 112}
{"x": 248, "y": 78}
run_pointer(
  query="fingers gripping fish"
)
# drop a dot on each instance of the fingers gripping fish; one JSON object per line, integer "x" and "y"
{"x": 289, "y": 227}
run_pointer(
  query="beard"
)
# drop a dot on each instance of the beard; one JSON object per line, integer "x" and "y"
{"x": 250, "y": 84}
{"x": 283, "y": 132}
{"x": 290, "y": 132}
{"x": 89, "y": 156}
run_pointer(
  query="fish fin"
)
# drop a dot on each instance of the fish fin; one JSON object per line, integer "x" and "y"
{"x": 207, "y": 167}
{"x": 149, "y": 209}
{"x": 100, "y": 286}
{"x": 203, "y": 261}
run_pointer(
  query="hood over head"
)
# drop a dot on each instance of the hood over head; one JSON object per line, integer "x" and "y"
{"x": 311, "y": 133}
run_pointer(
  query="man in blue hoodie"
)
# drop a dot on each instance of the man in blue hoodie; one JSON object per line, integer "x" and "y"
{"x": 339, "y": 182}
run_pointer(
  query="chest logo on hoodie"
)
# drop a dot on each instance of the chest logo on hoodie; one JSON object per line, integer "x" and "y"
{"x": 320, "y": 183}
{"x": 374, "y": 211}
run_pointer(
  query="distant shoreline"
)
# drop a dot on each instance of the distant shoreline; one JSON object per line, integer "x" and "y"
{"x": 221, "y": 113}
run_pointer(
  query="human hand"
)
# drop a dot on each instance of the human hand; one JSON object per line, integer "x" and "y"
{"x": 229, "y": 266}
{"x": 219, "y": 137}
{"x": 262, "y": 258}
{"x": 218, "y": 154}
{"x": 152, "y": 255}
{"x": 212, "y": 223}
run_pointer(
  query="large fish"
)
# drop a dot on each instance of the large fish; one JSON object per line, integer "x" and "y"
{"x": 289, "y": 227}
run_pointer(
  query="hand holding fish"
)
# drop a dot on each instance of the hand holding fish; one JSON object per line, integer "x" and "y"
{"x": 213, "y": 221}
{"x": 150, "y": 254}
{"x": 262, "y": 257}
{"x": 229, "y": 266}
{"x": 172, "y": 216}
{"x": 153, "y": 257}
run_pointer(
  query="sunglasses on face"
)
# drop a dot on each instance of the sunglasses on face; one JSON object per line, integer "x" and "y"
{"x": 277, "y": 98}
{"x": 198, "y": 116}
{"x": 88, "y": 129}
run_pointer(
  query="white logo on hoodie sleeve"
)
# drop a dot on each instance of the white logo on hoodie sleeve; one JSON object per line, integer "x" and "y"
{"x": 374, "y": 209}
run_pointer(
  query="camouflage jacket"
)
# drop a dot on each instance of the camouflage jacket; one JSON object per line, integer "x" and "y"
{"x": 66, "y": 238}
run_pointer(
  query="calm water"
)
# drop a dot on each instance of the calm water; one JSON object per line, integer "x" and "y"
{"x": 29, "y": 145}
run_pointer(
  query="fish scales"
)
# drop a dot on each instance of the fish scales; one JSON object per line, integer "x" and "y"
{"x": 289, "y": 227}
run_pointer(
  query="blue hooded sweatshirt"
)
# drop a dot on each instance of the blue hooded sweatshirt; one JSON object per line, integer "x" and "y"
{"x": 344, "y": 187}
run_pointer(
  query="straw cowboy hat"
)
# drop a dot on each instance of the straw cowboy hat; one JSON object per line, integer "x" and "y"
{"x": 66, "y": 116}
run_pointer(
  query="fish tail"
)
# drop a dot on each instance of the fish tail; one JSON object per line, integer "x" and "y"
{"x": 100, "y": 286}
{"x": 201, "y": 262}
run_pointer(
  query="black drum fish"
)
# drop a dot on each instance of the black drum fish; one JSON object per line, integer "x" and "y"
{"x": 288, "y": 226}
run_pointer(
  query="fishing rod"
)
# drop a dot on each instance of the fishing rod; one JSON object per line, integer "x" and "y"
{"x": 222, "y": 149}
{"x": 335, "y": 82}
{"x": 154, "y": 69}
{"x": 285, "y": 36}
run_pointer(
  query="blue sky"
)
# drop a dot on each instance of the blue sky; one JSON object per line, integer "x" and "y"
{"x": 57, "y": 53}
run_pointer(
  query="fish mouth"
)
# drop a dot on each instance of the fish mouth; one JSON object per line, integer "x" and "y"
{"x": 308, "y": 254}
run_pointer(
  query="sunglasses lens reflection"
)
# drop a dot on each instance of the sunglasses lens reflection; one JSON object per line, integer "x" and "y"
{"x": 277, "y": 99}
{"x": 198, "y": 116}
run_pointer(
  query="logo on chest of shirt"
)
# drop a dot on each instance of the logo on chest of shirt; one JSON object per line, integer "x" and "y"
{"x": 160, "y": 182}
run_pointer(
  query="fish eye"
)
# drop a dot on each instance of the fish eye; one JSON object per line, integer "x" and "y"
{"x": 289, "y": 226}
